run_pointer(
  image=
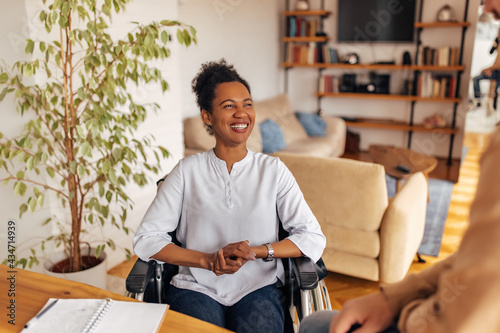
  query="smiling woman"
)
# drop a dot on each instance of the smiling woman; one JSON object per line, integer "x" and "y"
{"x": 226, "y": 205}
{"x": 232, "y": 119}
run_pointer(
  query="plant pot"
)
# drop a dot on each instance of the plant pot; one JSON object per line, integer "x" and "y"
{"x": 95, "y": 276}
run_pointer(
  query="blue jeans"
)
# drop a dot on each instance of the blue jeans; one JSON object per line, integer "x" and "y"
{"x": 259, "y": 311}
{"x": 319, "y": 322}
{"x": 495, "y": 75}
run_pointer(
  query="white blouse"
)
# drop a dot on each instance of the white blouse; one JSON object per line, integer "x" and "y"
{"x": 211, "y": 208}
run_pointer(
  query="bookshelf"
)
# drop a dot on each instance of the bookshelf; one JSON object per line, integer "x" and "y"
{"x": 442, "y": 78}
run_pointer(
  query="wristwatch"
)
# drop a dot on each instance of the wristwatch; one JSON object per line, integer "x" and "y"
{"x": 270, "y": 252}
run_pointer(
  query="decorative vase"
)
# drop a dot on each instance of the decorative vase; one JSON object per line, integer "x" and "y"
{"x": 95, "y": 276}
{"x": 302, "y": 5}
{"x": 445, "y": 14}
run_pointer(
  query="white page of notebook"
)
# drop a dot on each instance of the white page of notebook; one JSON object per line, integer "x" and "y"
{"x": 133, "y": 317}
{"x": 68, "y": 315}
{"x": 72, "y": 315}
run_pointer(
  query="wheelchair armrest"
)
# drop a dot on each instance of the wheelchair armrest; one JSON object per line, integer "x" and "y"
{"x": 305, "y": 273}
{"x": 139, "y": 276}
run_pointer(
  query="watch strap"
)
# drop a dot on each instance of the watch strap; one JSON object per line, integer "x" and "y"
{"x": 270, "y": 252}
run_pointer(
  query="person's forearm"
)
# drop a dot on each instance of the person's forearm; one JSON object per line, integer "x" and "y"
{"x": 282, "y": 249}
{"x": 179, "y": 256}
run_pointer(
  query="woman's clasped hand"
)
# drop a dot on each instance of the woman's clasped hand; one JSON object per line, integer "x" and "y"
{"x": 230, "y": 258}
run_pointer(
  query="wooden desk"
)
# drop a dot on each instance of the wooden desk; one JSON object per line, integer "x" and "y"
{"x": 32, "y": 290}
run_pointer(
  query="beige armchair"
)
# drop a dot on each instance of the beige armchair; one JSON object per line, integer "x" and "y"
{"x": 368, "y": 235}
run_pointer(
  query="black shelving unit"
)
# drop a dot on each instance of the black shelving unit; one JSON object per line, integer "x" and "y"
{"x": 420, "y": 26}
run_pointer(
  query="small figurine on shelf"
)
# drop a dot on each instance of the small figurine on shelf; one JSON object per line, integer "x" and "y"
{"x": 435, "y": 121}
{"x": 302, "y": 5}
{"x": 446, "y": 14}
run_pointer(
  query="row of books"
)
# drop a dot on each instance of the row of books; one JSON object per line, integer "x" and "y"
{"x": 427, "y": 85}
{"x": 297, "y": 26}
{"x": 442, "y": 56}
{"x": 310, "y": 53}
{"x": 329, "y": 84}
{"x": 435, "y": 86}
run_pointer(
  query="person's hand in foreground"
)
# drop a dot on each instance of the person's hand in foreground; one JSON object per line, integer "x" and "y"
{"x": 230, "y": 258}
{"x": 372, "y": 312}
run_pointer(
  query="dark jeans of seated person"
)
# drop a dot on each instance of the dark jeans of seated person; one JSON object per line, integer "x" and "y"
{"x": 259, "y": 311}
{"x": 319, "y": 322}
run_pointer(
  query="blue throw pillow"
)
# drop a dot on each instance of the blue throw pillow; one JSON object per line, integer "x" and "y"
{"x": 313, "y": 124}
{"x": 272, "y": 136}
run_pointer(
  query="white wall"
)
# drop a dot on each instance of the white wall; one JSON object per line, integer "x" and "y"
{"x": 16, "y": 25}
{"x": 246, "y": 33}
{"x": 303, "y": 81}
{"x": 18, "y": 22}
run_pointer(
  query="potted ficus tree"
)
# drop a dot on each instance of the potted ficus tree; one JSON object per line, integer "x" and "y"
{"x": 79, "y": 141}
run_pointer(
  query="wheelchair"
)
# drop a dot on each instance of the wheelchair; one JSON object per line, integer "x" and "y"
{"x": 304, "y": 287}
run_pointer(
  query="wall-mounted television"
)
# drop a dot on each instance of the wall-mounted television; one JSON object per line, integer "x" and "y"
{"x": 376, "y": 20}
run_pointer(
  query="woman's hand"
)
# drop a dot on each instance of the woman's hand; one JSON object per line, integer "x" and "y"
{"x": 230, "y": 258}
{"x": 217, "y": 264}
{"x": 238, "y": 253}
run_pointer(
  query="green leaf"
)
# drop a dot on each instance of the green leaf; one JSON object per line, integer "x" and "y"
{"x": 117, "y": 153}
{"x": 4, "y": 77}
{"x": 80, "y": 131}
{"x": 180, "y": 36}
{"x": 30, "y": 45}
{"x": 109, "y": 196}
{"x": 85, "y": 149}
{"x": 22, "y": 209}
{"x": 40, "y": 200}
{"x": 80, "y": 170}
{"x": 164, "y": 37}
{"x": 169, "y": 23}
{"x": 31, "y": 204}
{"x": 187, "y": 37}
{"x": 112, "y": 176}
{"x": 193, "y": 34}
{"x": 50, "y": 172}
{"x": 106, "y": 166}
{"x": 20, "y": 175}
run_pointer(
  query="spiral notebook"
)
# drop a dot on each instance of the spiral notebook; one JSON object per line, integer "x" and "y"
{"x": 97, "y": 316}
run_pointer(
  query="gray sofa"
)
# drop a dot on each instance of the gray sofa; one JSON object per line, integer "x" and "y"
{"x": 278, "y": 108}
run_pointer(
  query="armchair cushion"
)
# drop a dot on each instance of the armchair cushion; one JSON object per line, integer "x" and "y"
{"x": 272, "y": 136}
{"x": 312, "y": 123}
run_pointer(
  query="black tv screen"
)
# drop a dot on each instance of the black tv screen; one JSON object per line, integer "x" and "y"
{"x": 376, "y": 20}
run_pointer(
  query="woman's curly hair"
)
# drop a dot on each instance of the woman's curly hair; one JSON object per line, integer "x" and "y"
{"x": 207, "y": 80}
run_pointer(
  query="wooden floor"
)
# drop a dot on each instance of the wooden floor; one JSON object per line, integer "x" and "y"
{"x": 342, "y": 288}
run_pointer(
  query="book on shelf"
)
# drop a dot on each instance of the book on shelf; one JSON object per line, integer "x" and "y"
{"x": 442, "y": 56}
{"x": 329, "y": 84}
{"x": 97, "y": 316}
{"x": 310, "y": 53}
{"x": 430, "y": 85}
{"x": 297, "y": 26}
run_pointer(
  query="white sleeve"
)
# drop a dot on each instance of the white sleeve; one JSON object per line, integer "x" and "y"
{"x": 162, "y": 216}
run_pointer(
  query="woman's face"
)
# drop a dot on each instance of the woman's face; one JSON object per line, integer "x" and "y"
{"x": 233, "y": 116}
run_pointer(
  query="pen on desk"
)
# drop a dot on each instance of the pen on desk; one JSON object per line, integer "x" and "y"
{"x": 35, "y": 319}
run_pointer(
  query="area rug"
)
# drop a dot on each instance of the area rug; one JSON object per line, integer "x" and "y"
{"x": 437, "y": 211}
